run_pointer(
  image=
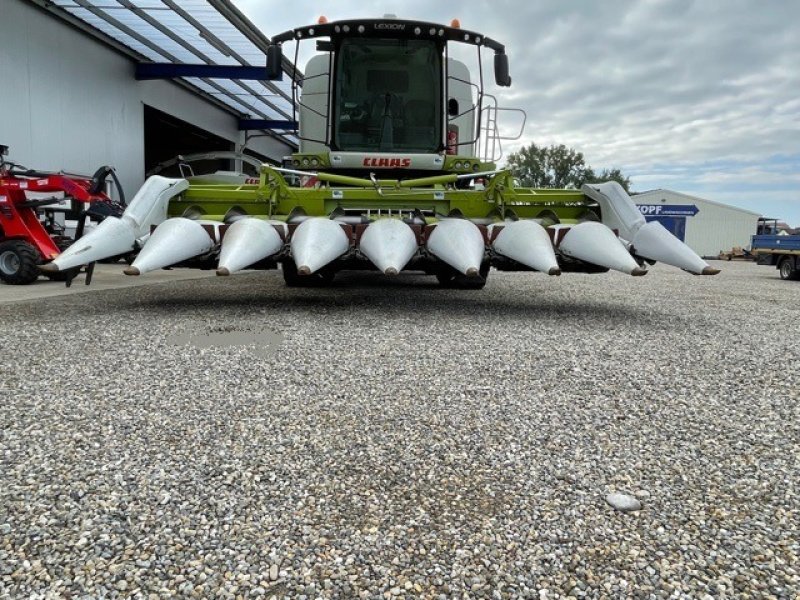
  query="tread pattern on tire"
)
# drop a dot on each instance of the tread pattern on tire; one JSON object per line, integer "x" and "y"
{"x": 28, "y": 258}
{"x": 794, "y": 274}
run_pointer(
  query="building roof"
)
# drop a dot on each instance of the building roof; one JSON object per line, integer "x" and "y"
{"x": 211, "y": 32}
{"x": 693, "y": 199}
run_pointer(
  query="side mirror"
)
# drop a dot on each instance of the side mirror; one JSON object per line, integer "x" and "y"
{"x": 274, "y": 62}
{"x": 3, "y": 150}
{"x": 501, "y": 76}
{"x": 452, "y": 107}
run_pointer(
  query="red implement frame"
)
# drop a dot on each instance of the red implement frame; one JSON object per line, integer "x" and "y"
{"x": 18, "y": 217}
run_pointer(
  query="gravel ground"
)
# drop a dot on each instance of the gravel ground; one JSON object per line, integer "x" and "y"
{"x": 392, "y": 439}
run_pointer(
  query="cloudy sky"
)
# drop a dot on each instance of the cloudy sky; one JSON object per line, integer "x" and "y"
{"x": 699, "y": 96}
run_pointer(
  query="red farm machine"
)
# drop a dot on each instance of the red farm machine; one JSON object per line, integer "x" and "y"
{"x": 31, "y": 232}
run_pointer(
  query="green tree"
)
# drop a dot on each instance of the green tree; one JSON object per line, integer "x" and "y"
{"x": 611, "y": 175}
{"x": 558, "y": 167}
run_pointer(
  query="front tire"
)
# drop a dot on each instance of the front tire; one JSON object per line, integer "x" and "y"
{"x": 18, "y": 262}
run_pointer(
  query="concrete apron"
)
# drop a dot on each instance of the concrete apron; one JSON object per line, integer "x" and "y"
{"x": 106, "y": 277}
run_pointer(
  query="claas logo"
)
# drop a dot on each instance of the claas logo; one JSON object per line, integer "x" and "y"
{"x": 386, "y": 163}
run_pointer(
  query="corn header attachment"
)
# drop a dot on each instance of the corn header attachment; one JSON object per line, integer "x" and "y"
{"x": 395, "y": 171}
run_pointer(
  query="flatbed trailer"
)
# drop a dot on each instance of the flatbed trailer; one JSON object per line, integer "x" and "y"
{"x": 780, "y": 251}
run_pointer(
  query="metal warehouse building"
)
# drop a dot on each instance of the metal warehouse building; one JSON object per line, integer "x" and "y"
{"x": 90, "y": 83}
{"x": 706, "y": 226}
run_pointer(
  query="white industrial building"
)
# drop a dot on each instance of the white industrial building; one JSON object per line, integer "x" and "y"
{"x": 707, "y": 227}
{"x": 74, "y": 99}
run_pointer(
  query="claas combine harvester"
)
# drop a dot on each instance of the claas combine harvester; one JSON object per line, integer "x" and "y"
{"x": 397, "y": 140}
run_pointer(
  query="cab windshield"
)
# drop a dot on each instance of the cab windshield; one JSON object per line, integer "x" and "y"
{"x": 388, "y": 96}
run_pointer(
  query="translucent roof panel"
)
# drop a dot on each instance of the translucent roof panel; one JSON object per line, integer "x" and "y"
{"x": 208, "y": 32}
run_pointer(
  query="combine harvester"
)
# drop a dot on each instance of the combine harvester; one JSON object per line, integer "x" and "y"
{"x": 394, "y": 172}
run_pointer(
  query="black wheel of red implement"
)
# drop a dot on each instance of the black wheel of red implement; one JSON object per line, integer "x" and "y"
{"x": 18, "y": 262}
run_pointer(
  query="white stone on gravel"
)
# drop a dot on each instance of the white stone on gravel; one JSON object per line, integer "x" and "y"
{"x": 623, "y": 502}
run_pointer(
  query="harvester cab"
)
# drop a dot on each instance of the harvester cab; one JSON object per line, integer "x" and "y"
{"x": 385, "y": 96}
{"x": 395, "y": 170}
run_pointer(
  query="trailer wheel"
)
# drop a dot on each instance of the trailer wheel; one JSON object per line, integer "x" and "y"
{"x": 18, "y": 262}
{"x": 786, "y": 268}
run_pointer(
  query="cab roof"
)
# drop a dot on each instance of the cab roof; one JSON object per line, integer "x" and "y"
{"x": 389, "y": 28}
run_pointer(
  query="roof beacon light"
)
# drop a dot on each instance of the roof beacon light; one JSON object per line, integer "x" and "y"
{"x": 455, "y": 24}
{"x": 322, "y": 20}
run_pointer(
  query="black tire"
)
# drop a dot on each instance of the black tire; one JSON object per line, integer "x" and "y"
{"x": 786, "y": 268}
{"x": 292, "y": 278}
{"x": 446, "y": 278}
{"x": 18, "y": 262}
{"x": 451, "y": 279}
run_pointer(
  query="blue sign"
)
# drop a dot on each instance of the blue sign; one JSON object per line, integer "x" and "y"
{"x": 668, "y": 210}
{"x": 675, "y": 225}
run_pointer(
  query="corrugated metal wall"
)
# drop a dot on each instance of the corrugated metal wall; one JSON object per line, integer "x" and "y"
{"x": 72, "y": 103}
{"x": 714, "y": 228}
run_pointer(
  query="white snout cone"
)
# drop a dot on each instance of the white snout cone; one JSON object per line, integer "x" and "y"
{"x": 389, "y": 244}
{"x": 115, "y": 236}
{"x": 110, "y": 238}
{"x": 459, "y": 243}
{"x": 317, "y": 242}
{"x": 653, "y": 241}
{"x": 246, "y": 242}
{"x": 527, "y": 243}
{"x": 595, "y": 243}
{"x": 173, "y": 241}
